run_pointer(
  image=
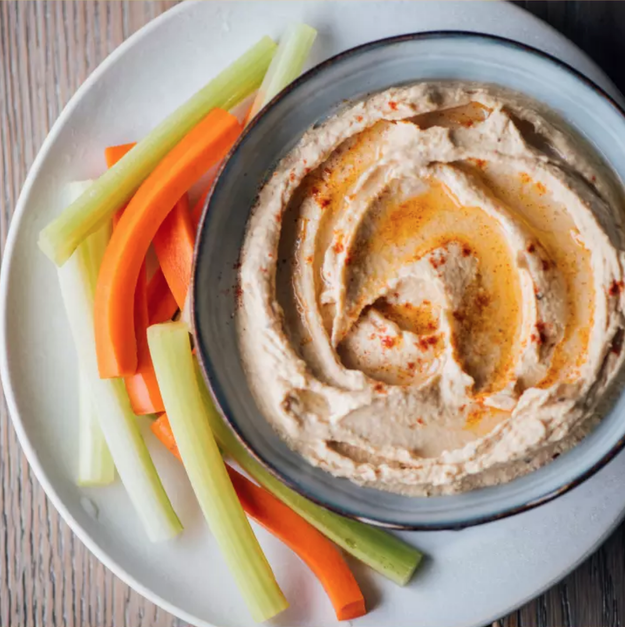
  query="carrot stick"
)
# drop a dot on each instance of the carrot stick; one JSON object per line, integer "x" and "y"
{"x": 161, "y": 302}
{"x": 113, "y": 154}
{"x": 173, "y": 243}
{"x": 321, "y": 556}
{"x": 317, "y": 552}
{"x": 142, "y": 388}
{"x": 201, "y": 148}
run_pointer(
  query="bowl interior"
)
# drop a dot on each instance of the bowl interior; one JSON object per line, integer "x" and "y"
{"x": 317, "y": 95}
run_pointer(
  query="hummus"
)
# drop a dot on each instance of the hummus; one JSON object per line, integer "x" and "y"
{"x": 431, "y": 290}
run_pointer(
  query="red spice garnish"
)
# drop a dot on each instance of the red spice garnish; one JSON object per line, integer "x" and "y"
{"x": 546, "y": 264}
{"x": 542, "y": 336}
{"x": 380, "y": 388}
{"x": 482, "y": 299}
{"x": 616, "y": 288}
{"x": 436, "y": 262}
{"x": 531, "y": 248}
{"x": 324, "y": 202}
{"x": 411, "y": 365}
{"x": 541, "y": 188}
{"x": 419, "y": 421}
{"x": 393, "y": 105}
{"x": 338, "y": 248}
{"x": 236, "y": 266}
{"x": 468, "y": 123}
{"x": 309, "y": 259}
{"x": 238, "y": 294}
{"x": 292, "y": 176}
{"x": 388, "y": 341}
{"x": 348, "y": 259}
{"x": 359, "y": 118}
{"x": 425, "y": 342}
{"x": 466, "y": 251}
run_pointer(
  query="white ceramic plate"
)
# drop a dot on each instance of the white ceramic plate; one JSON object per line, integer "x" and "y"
{"x": 486, "y": 571}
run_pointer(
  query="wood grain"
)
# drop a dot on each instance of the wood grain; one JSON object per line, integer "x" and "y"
{"x": 47, "y": 577}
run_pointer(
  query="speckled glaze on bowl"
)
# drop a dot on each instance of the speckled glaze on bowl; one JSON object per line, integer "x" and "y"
{"x": 315, "y": 96}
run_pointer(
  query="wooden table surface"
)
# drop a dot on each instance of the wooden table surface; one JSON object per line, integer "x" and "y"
{"x": 47, "y": 577}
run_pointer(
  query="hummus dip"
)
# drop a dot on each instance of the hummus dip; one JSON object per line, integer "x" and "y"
{"x": 431, "y": 290}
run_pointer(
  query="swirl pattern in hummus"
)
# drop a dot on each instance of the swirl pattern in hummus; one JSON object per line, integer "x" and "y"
{"x": 431, "y": 290}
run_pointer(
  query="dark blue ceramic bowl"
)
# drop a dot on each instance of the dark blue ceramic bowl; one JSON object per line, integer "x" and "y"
{"x": 313, "y": 97}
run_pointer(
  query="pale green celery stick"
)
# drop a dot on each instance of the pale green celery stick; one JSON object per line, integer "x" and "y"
{"x": 286, "y": 65}
{"x": 383, "y": 552}
{"x": 60, "y": 238}
{"x": 170, "y": 348}
{"x": 117, "y": 421}
{"x": 95, "y": 464}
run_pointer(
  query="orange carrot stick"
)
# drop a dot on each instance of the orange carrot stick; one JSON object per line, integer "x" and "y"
{"x": 142, "y": 387}
{"x": 173, "y": 243}
{"x": 321, "y": 556}
{"x": 201, "y": 148}
{"x": 161, "y": 302}
{"x": 113, "y": 154}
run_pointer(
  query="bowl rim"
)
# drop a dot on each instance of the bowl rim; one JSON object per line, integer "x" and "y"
{"x": 207, "y": 365}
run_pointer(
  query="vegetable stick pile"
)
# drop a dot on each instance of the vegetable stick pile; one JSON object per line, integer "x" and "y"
{"x": 134, "y": 359}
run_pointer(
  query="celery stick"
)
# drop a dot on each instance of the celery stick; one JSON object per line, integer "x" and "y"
{"x": 382, "y": 551}
{"x": 286, "y": 65}
{"x": 109, "y": 397}
{"x": 60, "y": 238}
{"x": 170, "y": 348}
{"x": 95, "y": 464}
